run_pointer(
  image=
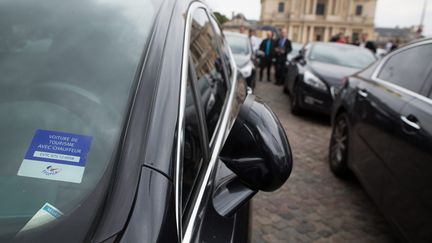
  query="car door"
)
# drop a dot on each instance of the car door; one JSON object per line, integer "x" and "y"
{"x": 376, "y": 111}
{"x": 381, "y": 104}
{"x": 410, "y": 156}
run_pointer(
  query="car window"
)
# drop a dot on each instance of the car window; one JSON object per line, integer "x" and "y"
{"x": 193, "y": 147}
{"x": 224, "y": 48}
{"x": 408, "y": 68}
{"x": 211, "y": 79}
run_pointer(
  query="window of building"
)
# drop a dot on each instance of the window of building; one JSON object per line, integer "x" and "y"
{"x": 359, "y": 10}
{"x": 408, "y": 69}
{"x": 281, "y": 7}
{"x": 320, "y": 8}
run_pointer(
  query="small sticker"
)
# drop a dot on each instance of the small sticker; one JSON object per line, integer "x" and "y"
{"x": 56, "y": 156}
{"x": 45, "y": 215}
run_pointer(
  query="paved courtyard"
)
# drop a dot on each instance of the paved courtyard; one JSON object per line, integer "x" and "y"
{"x": 313, "y": 206}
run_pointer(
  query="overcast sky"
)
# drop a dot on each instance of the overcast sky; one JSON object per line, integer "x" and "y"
{"x": 389, "y": 13}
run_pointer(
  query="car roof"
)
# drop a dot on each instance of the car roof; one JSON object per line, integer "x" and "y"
{"x": 235, "y": 34}
{"x": 335, "y": 44}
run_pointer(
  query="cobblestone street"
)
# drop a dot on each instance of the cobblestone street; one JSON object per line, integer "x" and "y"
{"x": 313, "y": 206}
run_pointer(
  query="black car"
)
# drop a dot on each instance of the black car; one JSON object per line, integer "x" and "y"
{"x": 382, "y": 132}
{"x": 126, "y": 121}
{"x": 318, "y": 73}
{"x": 243, "y": 55}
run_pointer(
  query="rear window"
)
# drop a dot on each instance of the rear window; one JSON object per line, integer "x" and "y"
{"x": 67, "y": 70}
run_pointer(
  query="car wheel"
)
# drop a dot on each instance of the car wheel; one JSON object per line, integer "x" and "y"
{"x": 338, "y": 152}
{"x": 294, "y": 98}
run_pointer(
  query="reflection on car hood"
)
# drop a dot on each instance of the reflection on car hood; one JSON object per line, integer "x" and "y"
{"x": 241, "y": 60}
{"x": 330, "y": 73}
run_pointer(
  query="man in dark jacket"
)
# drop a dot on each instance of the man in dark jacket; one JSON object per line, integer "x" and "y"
{"x": 283, "y": 48}
{"x": 268, "y": 48}
{"x": 365, "y": 43}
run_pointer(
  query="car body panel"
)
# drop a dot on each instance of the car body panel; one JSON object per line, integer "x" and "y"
{"x": 390, "y": 157}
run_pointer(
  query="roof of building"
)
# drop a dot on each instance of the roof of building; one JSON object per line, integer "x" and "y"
{"x": 394, "y": 32}
{"x": 239, "y": 20}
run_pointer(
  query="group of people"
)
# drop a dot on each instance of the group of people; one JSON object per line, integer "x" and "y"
{"x": 273, "y": 53}
{"x": 362, "y": 42}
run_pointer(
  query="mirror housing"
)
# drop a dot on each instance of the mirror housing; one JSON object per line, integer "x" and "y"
{"x": 257, "y": 149}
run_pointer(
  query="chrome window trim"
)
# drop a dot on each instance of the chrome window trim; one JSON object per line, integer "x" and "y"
{"x": 397, "y": 87}
{"x": 217, "y": 140}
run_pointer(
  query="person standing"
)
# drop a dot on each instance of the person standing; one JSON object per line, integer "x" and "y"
{"x": 389, "y": 46}
{"x": 268, "y": 48}
{"x": 283, "y": 48}
{"x": 254, "y": 40}
{"x": 365, "y": 43}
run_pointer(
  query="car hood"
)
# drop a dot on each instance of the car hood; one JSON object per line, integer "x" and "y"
{"x": 330, "y": 73}
{"x": 241, "y": 60}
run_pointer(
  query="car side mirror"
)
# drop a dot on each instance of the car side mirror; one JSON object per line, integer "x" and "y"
{"x": 257, "y": 149}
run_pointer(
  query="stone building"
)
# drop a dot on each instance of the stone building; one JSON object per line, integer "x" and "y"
{"x": 319, "y": 20}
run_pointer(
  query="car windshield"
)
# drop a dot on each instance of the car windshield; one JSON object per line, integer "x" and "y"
{"x": 67, "y": 73}
{"x": 239, "y": 44}
{"x": 296, "y": 47}
{"x": 342, "y": 55}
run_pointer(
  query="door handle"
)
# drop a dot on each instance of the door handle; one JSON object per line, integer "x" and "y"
{"x": 363, "y": 93}
{"x": 409, "y": 121}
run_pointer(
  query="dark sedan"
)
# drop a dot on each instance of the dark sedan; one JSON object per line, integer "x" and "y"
{"x": 126, "y": 121}
{"x": 318, "y": 73}
{"x": 382, "y": 132}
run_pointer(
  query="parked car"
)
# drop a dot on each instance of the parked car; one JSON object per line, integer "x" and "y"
{"x": 318, "y": 74}
{"x": 126, "y": 121}
{"x": 382, "y": 132}
{"x": 296, "y": 48}
{"x": 291, "y": 64}
{"x": 243, "y": 55}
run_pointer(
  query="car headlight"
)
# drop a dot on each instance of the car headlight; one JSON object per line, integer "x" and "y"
{"x": 312, "y": 80}
{"x": 246, "y": 70}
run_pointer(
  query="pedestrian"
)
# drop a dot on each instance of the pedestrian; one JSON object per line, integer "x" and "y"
{"x": 395, "y": 45}
{"x": 347, "y": 40}
{"x": 242, "y": 29}
{"x": 365, "y": 43}
{"x": 268, "y": 48}
{"x": 254, "y": 40}
{"x": 283, "y": 48}
{"x": 389, "y": 46}
{"x": 341, "y": 39}
{"x": 336, "y": 37}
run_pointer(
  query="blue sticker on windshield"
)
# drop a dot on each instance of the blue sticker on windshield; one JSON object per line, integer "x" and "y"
{"x": 56, "y": 156}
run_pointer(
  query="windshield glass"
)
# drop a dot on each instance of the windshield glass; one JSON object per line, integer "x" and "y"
{"x": 240, "y": 45}
{"x": 67, "y": 71}
{"x": 296, "y": 47}
{"x": 342, "y": 55}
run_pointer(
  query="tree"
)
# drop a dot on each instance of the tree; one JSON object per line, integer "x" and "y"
{"x": 222, "y": 19}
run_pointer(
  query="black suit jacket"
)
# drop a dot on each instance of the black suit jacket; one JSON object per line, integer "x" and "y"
{"x": 282, "y": 52}
{"x": 263, "y": 47}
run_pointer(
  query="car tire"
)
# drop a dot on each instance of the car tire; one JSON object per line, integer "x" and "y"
{"x": 294, "y": 99}
{"x": 339, "y": 147}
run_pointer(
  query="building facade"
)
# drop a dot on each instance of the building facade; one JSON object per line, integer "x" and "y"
{"x": 319, "y": 20}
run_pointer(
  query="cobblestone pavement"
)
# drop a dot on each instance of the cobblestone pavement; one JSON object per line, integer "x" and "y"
{"x": 313, "y": 206}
